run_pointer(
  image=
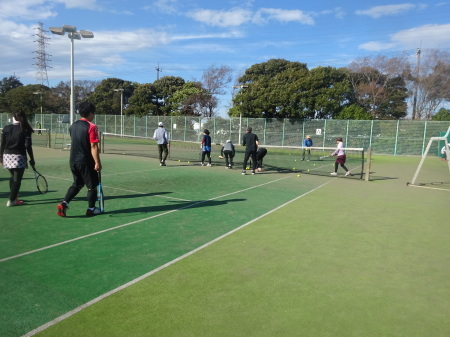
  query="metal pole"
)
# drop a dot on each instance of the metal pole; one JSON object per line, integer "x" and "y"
{"x": 121, "y": 110}
{"x": 72, "y": 94}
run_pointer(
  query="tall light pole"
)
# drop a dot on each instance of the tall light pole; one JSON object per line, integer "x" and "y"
{"x": 121, "y": 109}
{"x": 73, "y": 35}
{"x": 39, "y": 93}
{"x": 240, "y": 113}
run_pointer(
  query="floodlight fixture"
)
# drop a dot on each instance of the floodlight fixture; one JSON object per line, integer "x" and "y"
{"x": 73, "y": 35}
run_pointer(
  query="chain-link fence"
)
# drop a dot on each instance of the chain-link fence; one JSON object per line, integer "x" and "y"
{"x": 403, "y": 137}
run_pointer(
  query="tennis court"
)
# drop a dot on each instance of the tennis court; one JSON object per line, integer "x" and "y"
{"x": 185, "y": 250}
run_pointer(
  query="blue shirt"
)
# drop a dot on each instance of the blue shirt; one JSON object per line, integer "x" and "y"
{"x": 307, "y": 142}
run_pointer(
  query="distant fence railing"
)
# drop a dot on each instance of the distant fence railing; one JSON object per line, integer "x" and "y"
{"x": 402, "y": 137}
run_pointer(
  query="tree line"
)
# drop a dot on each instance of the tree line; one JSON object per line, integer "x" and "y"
{"x": 369, "y": 88}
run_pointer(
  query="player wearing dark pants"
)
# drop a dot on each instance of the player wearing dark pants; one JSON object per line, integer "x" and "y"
{"x": 260, "y": 154}
{"x": 250, "y": 141}
{"x": 15, "y": 144}
{"x": 84, "y": 160}
{"x": 307, "y": 143}
{"x": 206, "y": 147}
{"x": 228, "y": 151}
{"x": 162, "y": 139}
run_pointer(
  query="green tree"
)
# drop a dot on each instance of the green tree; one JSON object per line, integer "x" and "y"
{"x": 283, "y": 89}
{"x": 22, "y": 98}
{"x": 143, "y": 100}
{"x": 353, "y": 111}
{"x": 165, "y": 88}
{"x": 7, "y": 84}
{"x": 106, "y": 100}
{"x": 190, "y": 100}
{"x": 266, "y": 88}
{"x": 442, "y": 115}
{"x": 324, "y": 93}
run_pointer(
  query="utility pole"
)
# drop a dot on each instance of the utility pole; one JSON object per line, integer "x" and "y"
{"x": 158, "y": 70}
{"x": 416, "y": 85}
{"x": 42, "y": 57}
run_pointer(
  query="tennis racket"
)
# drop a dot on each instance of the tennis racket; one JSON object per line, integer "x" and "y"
{"x": 100, "y": 195}
{"x": 41, "y": 182}
{"x": 323, "y": 157}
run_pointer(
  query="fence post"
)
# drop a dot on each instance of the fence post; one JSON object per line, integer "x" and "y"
{"x": 265, "y": 129}
{"x": 371, "y": 133}
{"x": 424, "y": 139}
{"x": 324, "y": 132}
{"x": 346, "y": 134}
{"x": 396, "y": 139}
{"x": 284, "y": 125}
{"x": 368, "y": 164}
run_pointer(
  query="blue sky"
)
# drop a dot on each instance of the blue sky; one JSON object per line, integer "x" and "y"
{"x": 186, "y": 37}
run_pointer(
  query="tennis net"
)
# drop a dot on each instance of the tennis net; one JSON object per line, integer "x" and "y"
{"x": 147, "y": 147}
{"x": 319, "y": 162}
{"x": 278, "y": 158}
{"x": 40, "y": 137}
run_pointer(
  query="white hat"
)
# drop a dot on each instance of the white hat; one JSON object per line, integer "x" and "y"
{"x": 228, "y": 141}
{"x": 160, "y": 124}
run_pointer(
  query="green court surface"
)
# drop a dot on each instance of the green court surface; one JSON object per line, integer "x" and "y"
{"x": 185, "y": 250}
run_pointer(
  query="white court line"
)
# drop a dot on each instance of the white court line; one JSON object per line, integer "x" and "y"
{"x": 430, "y": 188}
{"x": 140, "y": 278}
{"x": 120, "y": 189}
{"x": 145, "y": 193}
{"x": 132, "y": 223}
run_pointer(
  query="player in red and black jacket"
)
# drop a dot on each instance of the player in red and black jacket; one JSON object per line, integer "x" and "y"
{"x": 84, "y": 159}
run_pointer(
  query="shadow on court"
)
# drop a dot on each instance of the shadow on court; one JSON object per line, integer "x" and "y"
{"x": 173, "y": 206}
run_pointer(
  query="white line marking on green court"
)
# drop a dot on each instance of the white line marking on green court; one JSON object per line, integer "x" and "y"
{"x": 140, "y": 278}
{"x": 133, "y": 222}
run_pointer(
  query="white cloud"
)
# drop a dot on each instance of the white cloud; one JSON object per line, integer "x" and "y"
{"x": 39, "y": 9}
{"x": 164, "y": 6}
{"x": 380, "y": 11}
{"x": 339, "y": 13}
{"x": 376, "y": 46}
{"x": 239, "y": 16}
{"x": 428, "y": 36}
{"x": 283, "y": 15}
{"x": 232, "y": 18}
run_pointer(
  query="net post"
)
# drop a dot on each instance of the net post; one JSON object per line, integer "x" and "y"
{"x": 368, "y": 164}
{"x": 48, "y": 138}
{"x": 102, "y": 141}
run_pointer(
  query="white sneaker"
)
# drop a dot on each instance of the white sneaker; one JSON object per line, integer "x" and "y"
{"x": 208, "y": 165}
{"x": 243, "y": 173}
{"x": 202, "y": 164}
{"x": 348, "y": 173}
{"x": 14, "y": 203}
{"x": 333, "y": 173}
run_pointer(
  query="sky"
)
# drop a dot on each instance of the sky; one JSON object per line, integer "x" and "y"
{"x": 134, "y": 38}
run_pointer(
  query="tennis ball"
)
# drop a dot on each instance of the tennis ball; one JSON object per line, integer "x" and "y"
{"x": 314, "y": 164}
{"x": 293, "y": 168}
{"x": 248, "y": 168}
{"x": 298, "y": 175}
{"x": 189, "y": 162}
{"x": 179, "y": 160}
{"x": 308, "y": 170}
{"x": 295, "y": 160}
{"x": 123, "y": 153}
